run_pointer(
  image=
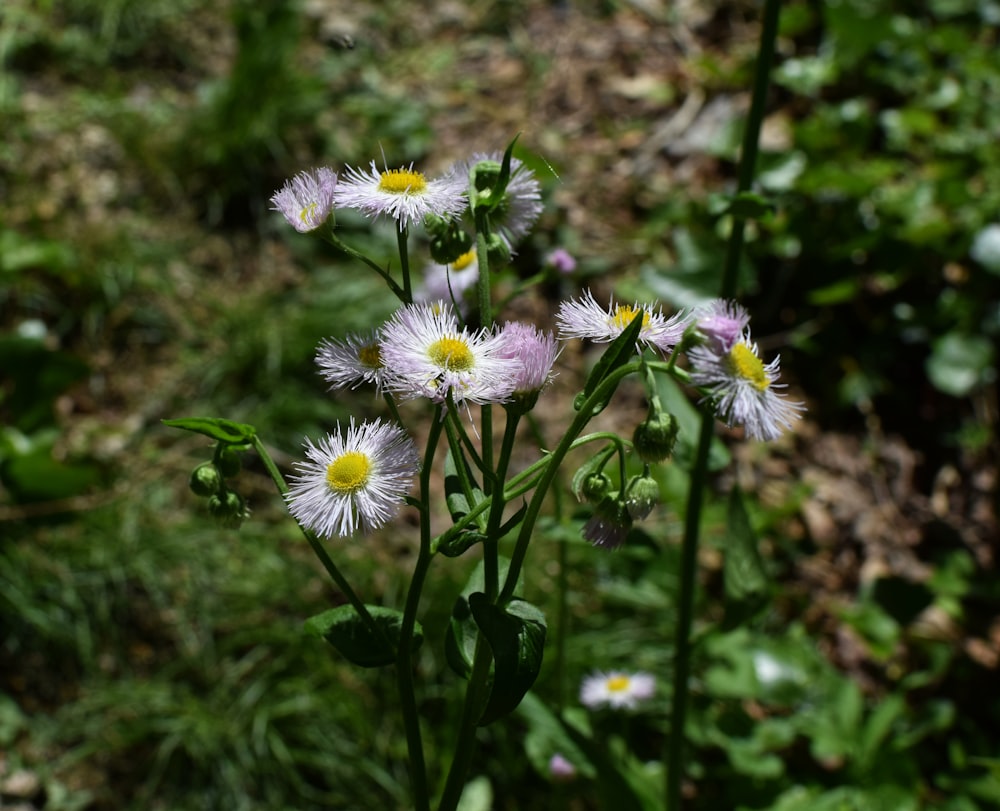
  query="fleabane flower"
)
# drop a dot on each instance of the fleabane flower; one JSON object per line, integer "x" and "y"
{"x": 616, "y": 689}
{"x": 561, "y": 769}
{"x": 609, "y": 526}
{"x": 534, "y": 351}
{"x": 307, "y": 199}
{"x": 453, "y": 283}
{"x": 352, "y": 361}
{"x": 722, "y": 323}
{"x": 743, "y": 388}
{"x": 403, "y": 194}
{"x": 426, "y": 354}
{"x": 353, "y": 479}
{"x": 521, "y": 206}
{"x": 585, "y": 318}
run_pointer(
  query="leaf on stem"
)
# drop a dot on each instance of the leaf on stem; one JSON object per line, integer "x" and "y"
{"x": 747, "y": 586}
{"x": 345, "y": 629}
{"x": 232, "y": 433}
{"x": 516, "y": 635}
{"x": 618, "y": 353}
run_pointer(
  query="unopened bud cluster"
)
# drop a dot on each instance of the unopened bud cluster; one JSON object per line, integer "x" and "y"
{"x": 208, "y": 480}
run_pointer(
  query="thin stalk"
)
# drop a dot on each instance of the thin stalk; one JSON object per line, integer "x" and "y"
{"x": 674, "y": 751}
{"x": 340, "y": 245}
{"x": 404, "y": 662}
{"x": 331, "y": 568}
{"x": 402, "y": 240}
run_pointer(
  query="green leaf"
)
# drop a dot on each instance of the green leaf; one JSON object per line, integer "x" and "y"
{"x": 344, "y": 628}
{"x": 748, "y": 206}
{"x": 460, "y": 638}
{"x": 232, "y": 433}
{"x": 746, "y": 581}
{"x": 516, "y": 636}
{"x": 454, "y": 492}
{"x": 959, "y": 363}
{"x": 689, "y": 423}
{"x": 618, "y": 353}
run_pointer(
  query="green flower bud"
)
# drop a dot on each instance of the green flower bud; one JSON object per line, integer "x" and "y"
{"x": 595, "y": 487}
{"x": 641, "y": 495}
{"x": 228, "y": 509}
{"x": 497, "y": 253}
{"x": 654, "y": 438}
{"x": 205, "y": 480}
{"x": 229, "y": 462}
{"x": 449, "y": 242}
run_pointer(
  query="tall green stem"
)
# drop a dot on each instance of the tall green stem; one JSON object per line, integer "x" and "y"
{"x": 674, "y": 754}
{"x": 402, "y": 241}
{"x": 404, "y": 661}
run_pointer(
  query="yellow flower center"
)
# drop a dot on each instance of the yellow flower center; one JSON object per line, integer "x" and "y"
{"x": 308, "y": 212}
{"x": 349, "y": 472}
{"x": 452, "y": 354}
{"x": 624, "y": 314}
{"x": 747, "y": 365}
{"x": 402, "y": 181}
{"x": 370, "y": 356}
{"x": 464, "y": 260}
{"x": 616, "y": 684}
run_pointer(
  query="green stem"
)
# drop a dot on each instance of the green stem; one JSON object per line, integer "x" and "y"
{"x": 404, "y": 663}
{"x": 674, "y": 752}
{"x": 402, "y": 239}
{"x": 340, "y": 245}
{"x": 319, "y": 550}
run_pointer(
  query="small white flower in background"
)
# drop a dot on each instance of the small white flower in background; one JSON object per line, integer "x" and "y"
{"x": 742, "y": 387}
{"x": 616, "y": 689}
{"x": 426, "y": 354}
{"x": 307, "y": 199}
{"x": 986, "y": 247}
{"x": 534, "y": 350}
{"x": 352, "y": 361}
{"x": 403, "y": 194}
{"x": 560, "y": 769}
{"x": 351, "y": 480}
{"x": 522, "y": 203}
{"x": 585, "y": 318}
{"x": 451, "y": 283}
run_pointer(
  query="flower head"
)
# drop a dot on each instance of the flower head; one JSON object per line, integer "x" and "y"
{"x": 561, "y": 261}
{"x": 722, "y": 323}
{"x": 455, "y": 282}
{"x": 307, "y": 199}
{"x": 351, "y": 480}
{"x": 616, "y": 689}
{"x": 535, "y": 352}
{"x": 609, "y": 526}
{"x": 404, "y": 194}
{"x": 560, "y": 769}
{"x": 587, "y": 319}
{"x": 426, "y": 354}
{"x": 743, "y": 388}
{"x": 522, "y": 201}
{"x": 352, "y": 361}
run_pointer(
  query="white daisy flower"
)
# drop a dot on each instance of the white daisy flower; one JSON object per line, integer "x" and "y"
{"x": 522, "y": 203}
{"x": 535, "y": 352}
{"x": 307, "y": 199}
{"x": 742, "y": 387}
{"x": 587, "y": 319}
{"x": 426, "y": 354}
{"x": 455, "y": 282}
{"x": 352, "y": 361}
{"x": 404, "y": 194}
{"x": 353, "y": 480}
{"x": 616, "y": 689}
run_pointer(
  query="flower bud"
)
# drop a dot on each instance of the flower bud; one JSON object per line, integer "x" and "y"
{"x": 229, "y": 509}
{"x": 497, "y": 253}
{"x": 595, "y": 487}
{"x": 449, "y": 241}
{"x": 229, "y": 462}
{"x": 205, "y": 480}
{"x": 610, "y": 523}
{"x": 641, "y": 495}
{"x": 654, "y": 438}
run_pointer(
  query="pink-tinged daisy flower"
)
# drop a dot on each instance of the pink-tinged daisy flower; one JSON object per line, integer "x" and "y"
{"x": 455, "y": 283}
{"x": 722, "y": 323}
{"x": 426, "y": 354}
{"x": 742, "y": 388}
{"x": 585, "y": 318}
{"x": 617, "y": 690}
{"x": 403, "y": 194}
{"x": 561, "y": 261}
{"x": 352, "y": 361}
{"x": 535, "y": 352}
{"x": 353, "y": 480}
{"x": 609, "y": 526}
{"x": 522, "y": 203}
{"x": 307, "y": 199}
{"x": 561, "y": 770}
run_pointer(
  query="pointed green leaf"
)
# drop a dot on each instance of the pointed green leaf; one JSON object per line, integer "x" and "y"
{"x": 746, "y": 582}
{"x": 232, "y": 433}
{"x": 460, "y": 638}
{"x": 689, "y": 421}
{"x": 516, "y": 636}
{"x": 618, "y": 353}
{"x": 344, "y": 628}
{"x": 454, "y": 492}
